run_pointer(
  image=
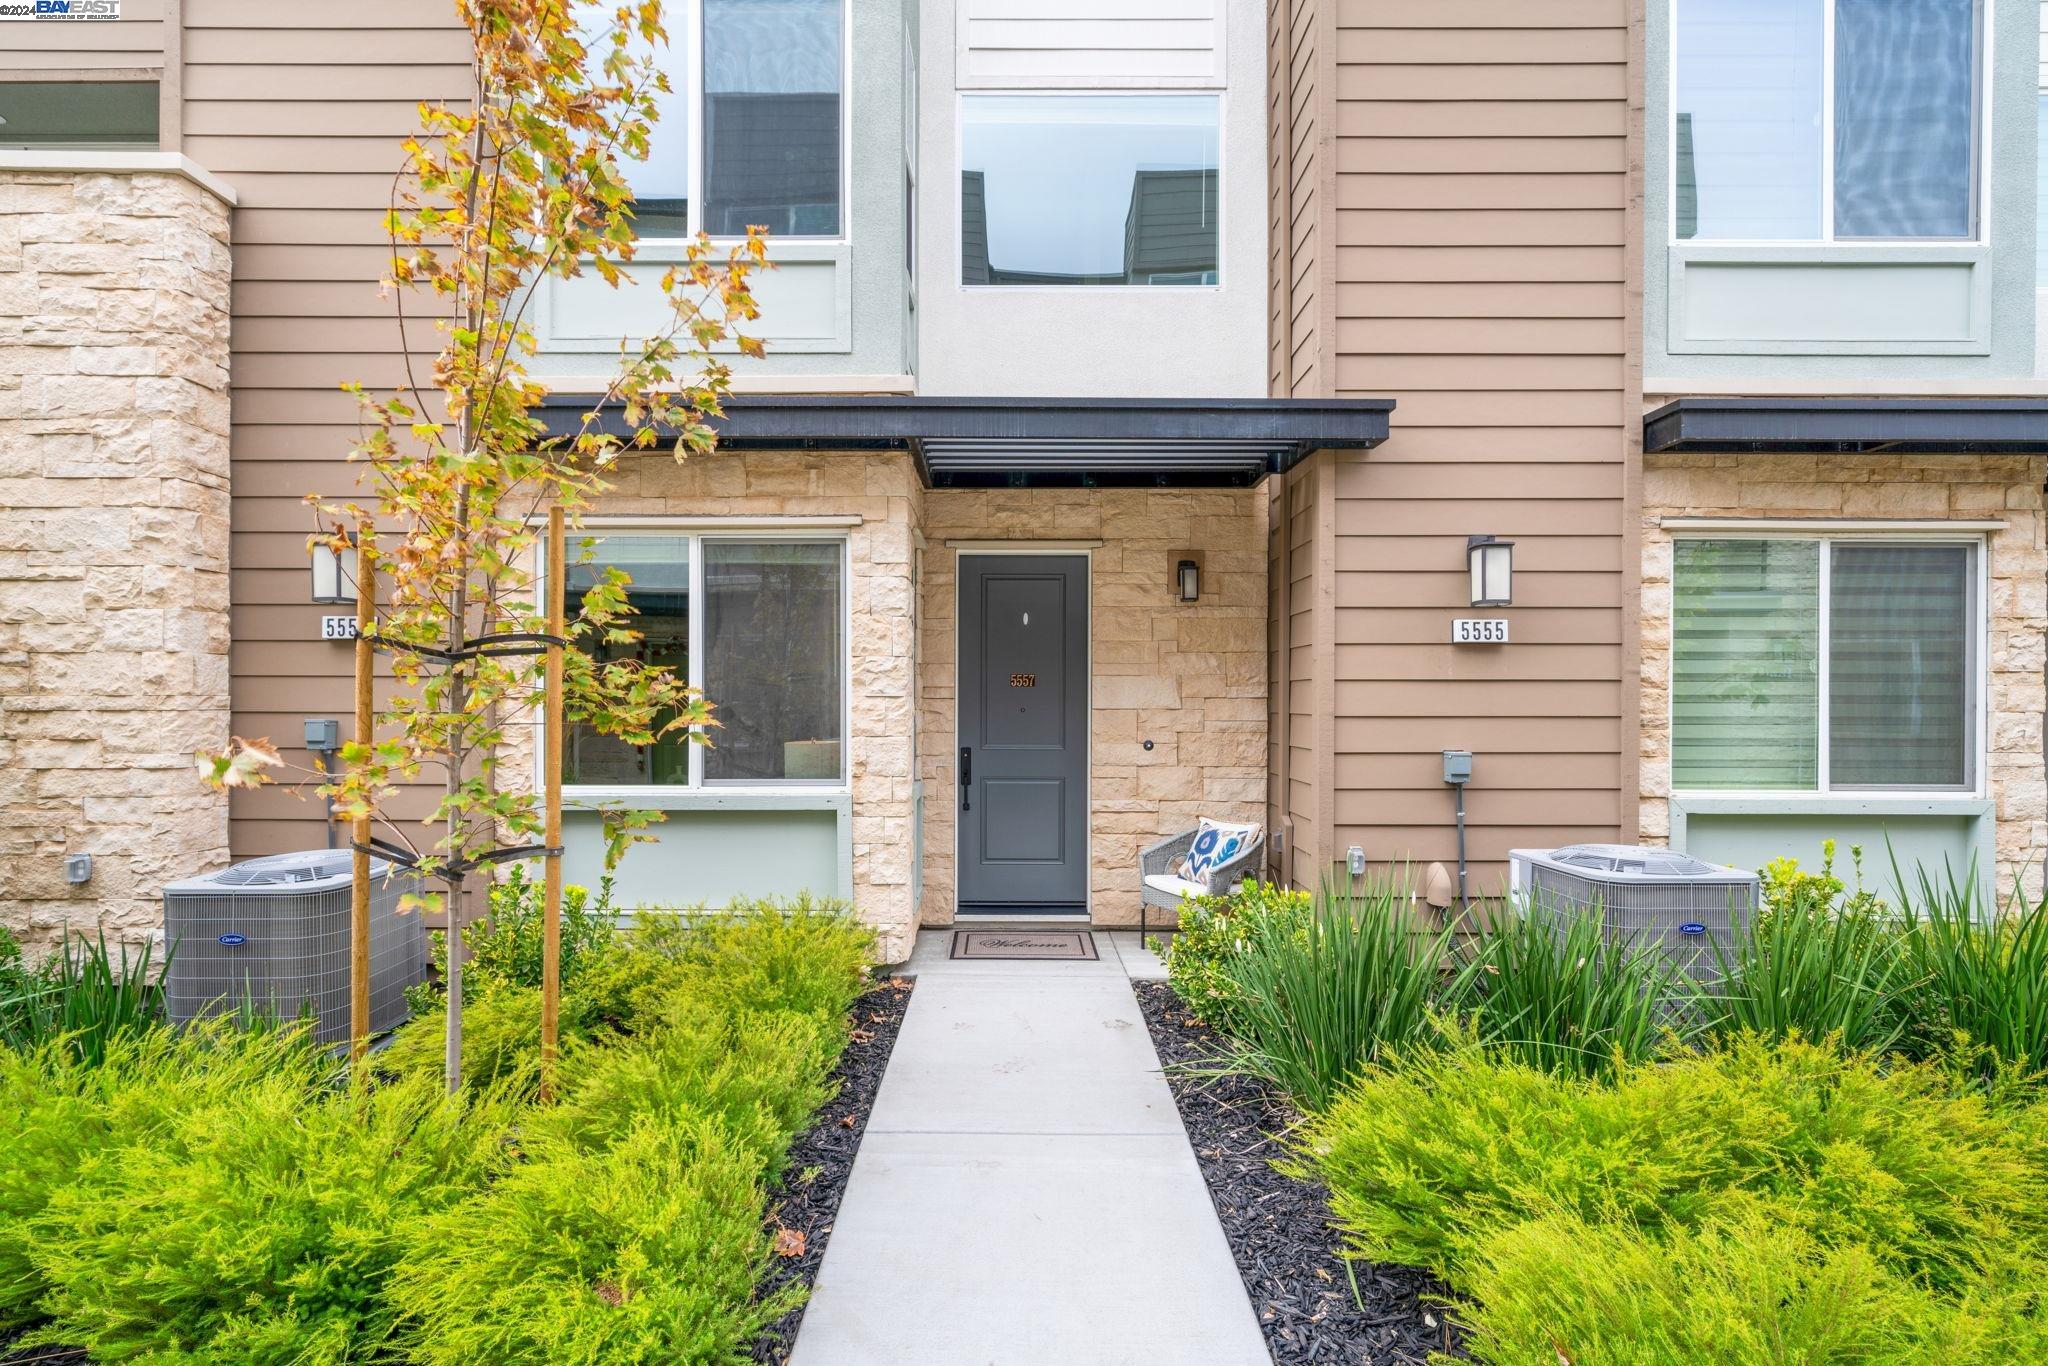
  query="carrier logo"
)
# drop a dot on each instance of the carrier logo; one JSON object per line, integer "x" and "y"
{"x": 234, "y": 941}
{"x": 61, "y": 9}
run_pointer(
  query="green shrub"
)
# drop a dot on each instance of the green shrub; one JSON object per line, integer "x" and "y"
{"x": 629, "y": 989}
{"x": 1746, "y": 1293}
{"x": 760, "y": 1073}
{"x": 500, "y": 1038}
{"x": 1313, "y": 1010}
{"x": 261, "y": 1226}
{"x": 1979, "y": 970}
{"x": 1569, "y": 998}
{"x": 64, "y": 1122}
{"x": 649, "y": 1251}
{"x": 210, "y": 1195}
{"x": 506, "y": 948}
{"x": 1216, "y": 929}
{"x": 801, "y": 954}
{"x": 1438, "y": 1152}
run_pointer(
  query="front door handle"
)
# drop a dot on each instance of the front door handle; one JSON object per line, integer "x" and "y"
{"x": 966, "y": 778}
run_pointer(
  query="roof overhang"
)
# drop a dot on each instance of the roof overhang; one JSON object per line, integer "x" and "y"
{"x": 1960, "y": 426}
{"x": 1043, "y": 442}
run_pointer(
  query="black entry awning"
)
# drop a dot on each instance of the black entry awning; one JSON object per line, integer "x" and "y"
{"x": 1046, "y": 442}
{"x": 1849, "y": 425}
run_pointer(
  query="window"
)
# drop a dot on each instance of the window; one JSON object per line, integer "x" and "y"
{"x": 1088, "y": 190}
{"x": 757, "y": 622}
{"x": 105, "y": 115}
{"x": 1769, "y": 147}
{"x": 1824, "y": 665}
{"x": 751, "y": 129}
{"x": 771, "y": 116}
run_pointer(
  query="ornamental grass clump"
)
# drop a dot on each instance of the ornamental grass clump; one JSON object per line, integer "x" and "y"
{"x": 1979, "y": 968}
{"x": 86, "y": 993}
{"x": 1555, "y": 990}
{"x": 1314, "y": 1010}
{"x": 1817, "y": 962}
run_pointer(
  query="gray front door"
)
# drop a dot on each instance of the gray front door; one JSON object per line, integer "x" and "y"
{"x": 1023, "y": 760}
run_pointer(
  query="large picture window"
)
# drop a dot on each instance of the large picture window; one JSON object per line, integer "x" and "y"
{"x": 751, "y": 128}
{"x": 1827, "y": 120}
{"x": 1824, "y": 665}
{"x": 1088, "y": 190}
{"x": 755, "y": 621}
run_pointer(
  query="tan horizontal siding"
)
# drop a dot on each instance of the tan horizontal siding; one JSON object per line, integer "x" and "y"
{"x": 1481, "y": 195}
{"x": 301, "y": 109}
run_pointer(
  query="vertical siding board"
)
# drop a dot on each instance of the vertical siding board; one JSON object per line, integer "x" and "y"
{"x": 1486, "y": 155}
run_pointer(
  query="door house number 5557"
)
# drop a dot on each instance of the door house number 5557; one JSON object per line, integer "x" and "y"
{"x": 1479, "y": 631}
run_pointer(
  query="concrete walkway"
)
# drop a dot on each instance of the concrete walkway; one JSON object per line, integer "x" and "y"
{"x": 1025, "y": 1194}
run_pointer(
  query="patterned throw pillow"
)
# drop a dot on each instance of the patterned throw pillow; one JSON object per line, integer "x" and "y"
{"x": 1216, "y": 844}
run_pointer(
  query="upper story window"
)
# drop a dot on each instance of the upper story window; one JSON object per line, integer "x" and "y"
{"x": 1827, "y": 120}
{"x": 1088, "y": 189}
{"x": 1824, "y": 665}
{"x": 752, "y": 127}
{"x": 104, "y": 115}
{"x": 758, "y": 622}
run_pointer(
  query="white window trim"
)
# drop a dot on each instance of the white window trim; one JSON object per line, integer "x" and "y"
{"x": 690, "y": 43}
{"x": 958, "y": 256}
{"x": 722, "y": 792}
{"x": 1980, "y": 171}
{"x": 1979, "y": 697}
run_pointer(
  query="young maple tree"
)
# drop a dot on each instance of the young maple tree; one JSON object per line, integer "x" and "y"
{"x": 491, "y": 200}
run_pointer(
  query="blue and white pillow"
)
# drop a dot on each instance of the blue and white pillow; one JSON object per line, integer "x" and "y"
{"x": 1216, "y": 844}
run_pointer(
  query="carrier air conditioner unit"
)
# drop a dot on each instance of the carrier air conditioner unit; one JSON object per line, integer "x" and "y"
{"x": 274, "y": 933}
{"x": 1646, "y": 895}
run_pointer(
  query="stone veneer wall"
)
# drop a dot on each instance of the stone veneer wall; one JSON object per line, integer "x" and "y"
{"x": 114, "y": 547}
{"x": 883, "y": 491}
{"x": 1189, "y": 677}
{"x": 1883, "y": 487}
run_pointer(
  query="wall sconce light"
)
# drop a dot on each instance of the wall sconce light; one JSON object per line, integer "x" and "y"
{"x": 1187, "y": 577}
{"x": 1492, "y": 562}
{"x": 334, "y": 572}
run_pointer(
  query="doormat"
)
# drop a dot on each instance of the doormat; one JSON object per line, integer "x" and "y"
{"x": 1023, "y": 944}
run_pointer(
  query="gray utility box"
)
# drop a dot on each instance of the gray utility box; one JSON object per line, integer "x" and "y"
{"x": 274, "y": 932}
{"x": 1641, "y": 893}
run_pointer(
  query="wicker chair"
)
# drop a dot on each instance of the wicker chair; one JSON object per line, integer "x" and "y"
{"x": 1160, "y": 860}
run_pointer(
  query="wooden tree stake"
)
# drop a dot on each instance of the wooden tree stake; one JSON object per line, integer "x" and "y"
{"x": 552, "y": 743}
{"x": 359, "y": 896}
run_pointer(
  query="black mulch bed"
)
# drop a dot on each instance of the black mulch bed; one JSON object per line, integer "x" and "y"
{"x": 40, "y": 1356}
{"x": 1279, "y": 1228}
{"x": 822, "y": 1158}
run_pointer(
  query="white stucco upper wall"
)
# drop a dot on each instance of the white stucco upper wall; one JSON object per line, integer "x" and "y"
{"x": 1092, "y": 341}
